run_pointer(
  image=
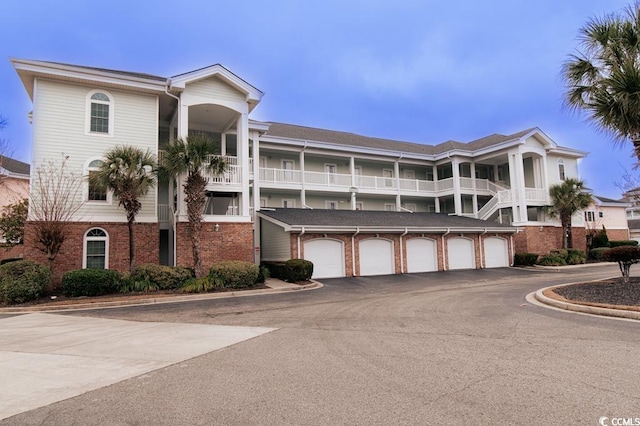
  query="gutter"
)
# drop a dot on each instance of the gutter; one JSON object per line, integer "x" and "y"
{"x": 300, "y": 235}
{"x": 353, "y": 252}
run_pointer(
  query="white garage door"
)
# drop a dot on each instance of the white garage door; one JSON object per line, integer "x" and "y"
{"x": 376, "y": 257}
{"x": 421, "y": 255}
{"x": 496, "y": 252}
{"x": 461, "y": 254}
{"x": 327, "y": 257}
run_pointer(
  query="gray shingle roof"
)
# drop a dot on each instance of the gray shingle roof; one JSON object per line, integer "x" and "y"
{"x": 128, "y": 73}
{"x": 14, "y": 166}
{"x": 368, "y": 218}
{"x": 609, "y": 200}
{"x": 291, "y": 131}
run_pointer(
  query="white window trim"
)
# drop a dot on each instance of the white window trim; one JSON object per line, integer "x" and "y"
{"x": 85, "y": 238}
{"x": 293, "y": 164}
{"x": 327, "y": 203}
{"x": 89, "y": 101}
{"x": 85, "y": 186}
{"x": 411, "y": 206}
{"x": 564, "y": 171}
{"x": 590, "y": 216}
{"x": 359, "y": 205}
{"x": 289, "y": 200}
{"x": 391, "y": 205}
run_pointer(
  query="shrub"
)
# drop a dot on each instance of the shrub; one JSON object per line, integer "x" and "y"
{"x": 130, "y": 285}
{"x": 165, "y": 277}
{"x": 525, "y": 259}
{"x": 597, "y": 253}
{"x": 90, "y": 282}
{"x": 563, "y": 253}
{"x": 575, "y": 257}
{"x": 23, "y": 280}
{"x": 552, "y": 260}
{"x": 202, "y": 285}
{"x": 600, "y": 239}
{"x": 293, "y": 270}
{"x": 621, "y": 243}
{"x": 263, "y": 274}
{"x": 625, "y": 256}
{"x": 235, "y": 274}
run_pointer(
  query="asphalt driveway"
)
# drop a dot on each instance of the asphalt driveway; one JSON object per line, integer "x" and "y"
{"x": 440, "y": 348}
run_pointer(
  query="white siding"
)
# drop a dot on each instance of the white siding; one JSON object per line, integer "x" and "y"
{"x": 276, "y": 244}
{"x": 570, "y": 169}
{"x": 59, "y": 127}
{"x": 214, "y": 88}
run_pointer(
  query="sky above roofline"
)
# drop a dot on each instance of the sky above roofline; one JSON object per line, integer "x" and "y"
{"x": 417, "y": 71}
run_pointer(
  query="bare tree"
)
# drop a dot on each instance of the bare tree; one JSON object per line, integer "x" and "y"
{"x": 56, "y": 196}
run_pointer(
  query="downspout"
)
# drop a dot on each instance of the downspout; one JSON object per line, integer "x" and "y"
{"x": 482, "y": 259}
{"x": 444, "y": 254}
{"x": 406, "y": 231}
{"x": 300, "y": 235}
{"x": 353, "y": 252}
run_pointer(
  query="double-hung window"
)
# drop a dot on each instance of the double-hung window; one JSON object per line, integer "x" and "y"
{"x": 99, "y": 113}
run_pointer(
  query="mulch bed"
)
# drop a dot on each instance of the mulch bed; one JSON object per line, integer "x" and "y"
{"x": 613, "y": 292}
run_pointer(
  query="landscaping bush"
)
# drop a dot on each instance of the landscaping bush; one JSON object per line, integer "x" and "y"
{"x": 22, "y": 281}
{"x": 235, "y": 274}
{"x": 563, "y": 253}
{"x": 600, "y": 239}
{"x": 625, "y": 256}
{"x": 597, "y": 253}
{"x": 263, "y": 274}
{"x": 621, "y": 243}
{"x": 129, "y": 285}
{"x": 552, "y": 260}
{"x": 525, "y": 259}
{"x": 202, "y": 285}
{"x": 293, "y": 270}
{"x": 575, "y": 257}
{"x": 90, "y": 282}
{"x": 165, "y": 277}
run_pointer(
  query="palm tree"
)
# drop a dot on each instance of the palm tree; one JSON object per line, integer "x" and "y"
{"x": 604, "y": 78}
{"x": 194, "y": 157}
{"x": 129, "y": 173}
{"x": 567, "y": 198}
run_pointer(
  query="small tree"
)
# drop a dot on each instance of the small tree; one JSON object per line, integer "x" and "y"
{"x": 12, "y": 223}
{"x": 194, "y": 158}
{"x": 129, "y": 172}
{"x": 56, "y": 196}
{"x": 567, "y": 198}
{"x": 625, "y": 256}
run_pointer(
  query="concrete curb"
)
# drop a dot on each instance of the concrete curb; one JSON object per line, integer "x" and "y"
{"x": 156, "y": 300}
{"x": 585, "y": 309}
{"x": 568, "y": 267}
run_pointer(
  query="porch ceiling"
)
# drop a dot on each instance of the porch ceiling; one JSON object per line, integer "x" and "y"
{"x": 209, "y": 117}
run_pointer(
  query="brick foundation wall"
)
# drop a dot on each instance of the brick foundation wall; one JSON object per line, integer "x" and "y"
{"x": 233, "y": 241}
{"x": 543, "y": 239}
{"x": 147, "y": 240}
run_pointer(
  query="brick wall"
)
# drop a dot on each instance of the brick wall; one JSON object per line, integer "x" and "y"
{"x": 12, "y": 252}
{"x": 618, "y": 234}
{"x": 543, "y": 239}
{"x": 147, "y": 237}
{"x": 233, "y": 241}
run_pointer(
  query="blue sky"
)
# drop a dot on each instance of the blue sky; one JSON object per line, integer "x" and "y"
{"x": 418, "y": 71}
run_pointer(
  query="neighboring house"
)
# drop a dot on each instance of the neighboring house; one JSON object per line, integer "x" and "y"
{"x": 499, "y": 183}
{"x": 632, "y": 198}
{"x": 609, "y": 214}
{"x": 14, "y": 181}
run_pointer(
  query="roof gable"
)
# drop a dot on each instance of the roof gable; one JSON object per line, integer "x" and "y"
{"x": 251, "y": 93}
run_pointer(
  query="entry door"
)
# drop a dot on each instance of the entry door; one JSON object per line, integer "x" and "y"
{"x": 287, "y": 165}
{"x": 331, "y": 170}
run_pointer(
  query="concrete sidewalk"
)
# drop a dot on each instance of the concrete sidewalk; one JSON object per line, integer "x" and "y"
{"x": 45, "y": 358}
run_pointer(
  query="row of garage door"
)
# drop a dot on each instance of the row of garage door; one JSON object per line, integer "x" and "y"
{"x": 377, "y": 255}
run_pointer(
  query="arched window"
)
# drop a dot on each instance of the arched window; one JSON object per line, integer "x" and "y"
{"x": 94, "y": 193}
{"x": 96, "y": 249}
{"x": 561, "y": 174}
{"x": 99, "y": 113}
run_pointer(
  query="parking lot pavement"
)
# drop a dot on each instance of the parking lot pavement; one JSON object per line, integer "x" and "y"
{"x": 46, "y": 358}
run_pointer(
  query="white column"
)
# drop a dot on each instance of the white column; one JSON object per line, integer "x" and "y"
{"x": 396, "y": 172}
{"x": 183, "y": 132}
{"x": 435, "y": 181}
{"x": 513, "y": 181}
{"x": 256, "y": 172}
{"x": 521, "y": 189}
{"x": 223, "y": 144}
{"x": 352, "y": 170}
{"x": 457, "y": 197}
{"x": 475, "y": 191}
{"x": 243, "y": 160}
{"x": 303, "y": 192}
